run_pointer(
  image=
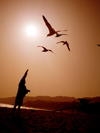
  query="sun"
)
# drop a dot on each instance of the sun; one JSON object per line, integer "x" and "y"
{"x": 31, "y": 30}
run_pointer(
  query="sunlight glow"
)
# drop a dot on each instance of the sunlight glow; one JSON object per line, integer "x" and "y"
{"x": 31, "y": 30}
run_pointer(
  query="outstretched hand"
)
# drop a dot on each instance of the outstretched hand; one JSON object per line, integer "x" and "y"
{"x": 25, "y": 73}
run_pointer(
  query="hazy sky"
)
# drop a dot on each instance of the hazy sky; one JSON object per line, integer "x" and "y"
{"x": 74, "y": 73}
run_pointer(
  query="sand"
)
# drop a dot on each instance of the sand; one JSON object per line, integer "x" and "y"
{"x": 46, "y": 121}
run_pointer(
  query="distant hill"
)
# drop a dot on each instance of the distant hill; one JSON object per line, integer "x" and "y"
{"x": 48, "y": 98}
{"x": 11, "y": 100}
{"x": 95, "y": 99}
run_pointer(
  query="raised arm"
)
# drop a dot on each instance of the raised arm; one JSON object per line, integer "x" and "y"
{"x": 23, "y": 78}
{"x": 25, "y": 74}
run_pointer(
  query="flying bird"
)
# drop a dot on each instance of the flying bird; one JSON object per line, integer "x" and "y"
{"x": 65, "y": 43}
{"x": 45, "y": 49}
{"x": 98, "y": 44}
{"x": 51, "y": 30}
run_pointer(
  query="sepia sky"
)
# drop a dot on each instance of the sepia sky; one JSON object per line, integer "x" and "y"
{"x": 74, "y": 73}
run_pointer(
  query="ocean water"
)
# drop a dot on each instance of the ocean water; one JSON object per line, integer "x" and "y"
{"x": 11, "y": 106}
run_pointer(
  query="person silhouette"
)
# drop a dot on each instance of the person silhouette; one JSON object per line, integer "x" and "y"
{"x": 22, "y": 91}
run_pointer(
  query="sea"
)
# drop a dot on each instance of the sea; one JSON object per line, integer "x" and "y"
{"x": 23, "y": 107}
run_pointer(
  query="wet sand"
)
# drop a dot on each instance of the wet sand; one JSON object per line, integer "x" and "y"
{"x": 47, "y": 121}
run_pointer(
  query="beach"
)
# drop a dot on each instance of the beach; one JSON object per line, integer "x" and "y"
{"x": 47, "y": 121}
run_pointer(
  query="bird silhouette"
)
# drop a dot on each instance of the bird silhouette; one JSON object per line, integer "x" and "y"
{"x": 65, "y": 43}
{"x": 51, "y": 30}
{"x": 45, "y": 49}
{"x": 98, "y": 44}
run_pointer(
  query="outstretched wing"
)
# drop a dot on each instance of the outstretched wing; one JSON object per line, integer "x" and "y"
{"x": 60, "y": 42}
{"x": 50, "y": 50}
{"x": 42, "y": 47}
{"x": 67, "y": 45}
{"x": 48, "y": 25}
{"x": 60, "y": 30}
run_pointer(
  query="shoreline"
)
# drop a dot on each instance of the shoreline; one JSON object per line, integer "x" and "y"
{"x": 22, "y": 107}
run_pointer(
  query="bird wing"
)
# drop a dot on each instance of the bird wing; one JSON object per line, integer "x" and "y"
{"x": 60, "y": 42}
{"x": 48, "y": 25}
{"x": 60, "y": 30}
{"x": 42, "y": 47}
{"x": 50, "y": 50}
{"x": 64, "y": 30}
{"x": 64, "y": 34}
{"x": 67, "y": 45}
{"x": 39, "y": 46}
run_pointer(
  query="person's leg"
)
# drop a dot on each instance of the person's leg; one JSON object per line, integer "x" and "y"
{"x": 14, "y": 109}
{"x": 18, "y": 110}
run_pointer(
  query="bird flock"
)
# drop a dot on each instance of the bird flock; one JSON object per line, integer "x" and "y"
{"x": 52, "y": 31}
